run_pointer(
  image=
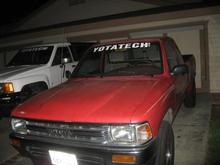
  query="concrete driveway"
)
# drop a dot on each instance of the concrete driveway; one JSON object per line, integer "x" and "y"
{"x": 190, "y": 130}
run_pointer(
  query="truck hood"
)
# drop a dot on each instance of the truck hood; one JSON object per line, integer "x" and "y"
{"x": 92, "y": 101}
{"x": 9, "y": 72}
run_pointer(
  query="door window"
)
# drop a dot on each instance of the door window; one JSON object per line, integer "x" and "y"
{"x": 62, "y": 52}
{"x": 66, "y": 54}
{"x": 57, "y": 58}
{"x": 178, "y": 53}
{"x": 171, "y": 55}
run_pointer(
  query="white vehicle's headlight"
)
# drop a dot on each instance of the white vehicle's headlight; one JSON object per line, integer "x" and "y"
{"x": 19, "y": 126}
{"x": 131, "y": 134}
{"x": 8, "y": 87}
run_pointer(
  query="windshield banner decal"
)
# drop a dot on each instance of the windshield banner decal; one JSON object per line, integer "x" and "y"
{"x": 34, "y": 49}
{"x": 122, "y": 46}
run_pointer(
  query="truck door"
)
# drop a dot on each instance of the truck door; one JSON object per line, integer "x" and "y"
{"x": 56, "y": 68}
{"x": 69, "y": 65}
{"x": 174, "y": 58}
{"x": 183, "y": 78}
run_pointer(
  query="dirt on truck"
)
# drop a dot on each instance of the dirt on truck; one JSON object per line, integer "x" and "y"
{"x": 117, "y": 108}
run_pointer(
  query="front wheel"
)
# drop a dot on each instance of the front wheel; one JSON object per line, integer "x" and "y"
{"x": 31, "y": 90}
{"x": 165, "y": 152}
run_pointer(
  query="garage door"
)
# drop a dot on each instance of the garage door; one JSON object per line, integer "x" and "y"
{"x": 189, "y": 43}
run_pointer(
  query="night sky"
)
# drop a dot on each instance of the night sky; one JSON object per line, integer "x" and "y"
{"x": 12, "y": 11}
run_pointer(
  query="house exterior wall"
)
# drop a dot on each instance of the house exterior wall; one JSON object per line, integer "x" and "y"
{"x": 189, "y": 43}
{"x": 214, "y": 52}
{"x": 61, "y": 11}
{"x": 111, "y": 29}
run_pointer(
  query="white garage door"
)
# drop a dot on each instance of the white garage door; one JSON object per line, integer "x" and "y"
{"x": 189, "y": 43}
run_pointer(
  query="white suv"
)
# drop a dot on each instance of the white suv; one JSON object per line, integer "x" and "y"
{"x": 37, "y": 68}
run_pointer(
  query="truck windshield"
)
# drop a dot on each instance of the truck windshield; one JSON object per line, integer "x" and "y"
{"x": 135, "y": 58}
{"x": 32, "y": 56}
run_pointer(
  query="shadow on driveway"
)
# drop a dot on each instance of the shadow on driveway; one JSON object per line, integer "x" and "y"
{"x": 213, "y": 153}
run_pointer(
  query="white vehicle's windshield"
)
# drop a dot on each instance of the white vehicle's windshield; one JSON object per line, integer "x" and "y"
{"x": 32, "y": 56}
{"x": 137, "y": 58}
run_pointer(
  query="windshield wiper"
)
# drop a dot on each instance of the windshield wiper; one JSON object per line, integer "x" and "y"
{"x": 135, "y": 63}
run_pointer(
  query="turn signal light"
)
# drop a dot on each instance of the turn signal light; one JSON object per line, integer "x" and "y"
{"x": 126, "y": 159}
{"x": 15, "y": 142}
{"x": 8, "y": 87}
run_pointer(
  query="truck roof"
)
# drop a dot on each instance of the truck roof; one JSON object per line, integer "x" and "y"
{"x": 135, "y": 40}
{"x": 49, "y": 44}
{"x": 138, "y": 39}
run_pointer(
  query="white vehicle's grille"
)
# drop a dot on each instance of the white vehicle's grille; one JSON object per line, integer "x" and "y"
{"x": 1, "y": 88}
{"x": 69, "y": 131}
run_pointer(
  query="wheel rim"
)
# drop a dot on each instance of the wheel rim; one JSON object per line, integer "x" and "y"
{"x": 169, "y": 154}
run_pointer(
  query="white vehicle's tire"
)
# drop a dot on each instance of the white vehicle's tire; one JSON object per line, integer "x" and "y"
{"x": 32, "y": 89}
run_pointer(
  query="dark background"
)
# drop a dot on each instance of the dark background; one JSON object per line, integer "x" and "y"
{"x": 12, "y": 11}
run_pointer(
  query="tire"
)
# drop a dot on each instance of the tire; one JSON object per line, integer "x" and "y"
{"x": 31, "y": 90}
{"x": 165, "y": 152}
{"x": 190, "y": 96}
{"x": 26, "y": 93}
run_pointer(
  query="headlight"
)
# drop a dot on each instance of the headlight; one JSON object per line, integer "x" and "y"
{"x": 8, "y": 87}
{"x": 131, "y": 134}
{"x": 19, "y": 126}
{"x": 123, "y": 133}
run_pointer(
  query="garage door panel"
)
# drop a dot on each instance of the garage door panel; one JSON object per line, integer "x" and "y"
{"x": 189, "y": 43}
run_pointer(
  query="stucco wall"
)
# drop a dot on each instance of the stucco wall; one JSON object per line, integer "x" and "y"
{"x": 60, "y": 11}
{"x": 213, "y": 22}
{"x": 189, "y": 43}
{"x": 214, "y": 52}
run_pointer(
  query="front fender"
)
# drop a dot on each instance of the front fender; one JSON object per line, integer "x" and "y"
{"x": 20, "y": 83}
{"x": 164, "y": 110}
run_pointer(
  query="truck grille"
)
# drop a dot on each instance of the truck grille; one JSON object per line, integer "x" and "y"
{"x": 75, "y": 132}
{"x": 1, "y": 88}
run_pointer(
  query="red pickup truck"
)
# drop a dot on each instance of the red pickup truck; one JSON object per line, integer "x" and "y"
{"x": 117, "y": 108}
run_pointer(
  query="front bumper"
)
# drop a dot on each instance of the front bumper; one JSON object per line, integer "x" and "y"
{"x": 9, "y": 98}
{"x": 37, "y": 148}
{"x": 8, "y": 102}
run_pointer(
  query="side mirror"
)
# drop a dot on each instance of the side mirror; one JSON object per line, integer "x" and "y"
{"x": 65, "y": 60}
{"x": 180, "y": 70}
{"x": 68, "y": 74}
